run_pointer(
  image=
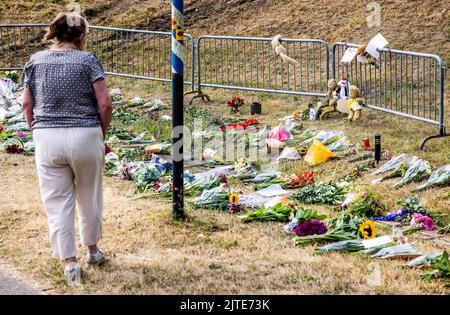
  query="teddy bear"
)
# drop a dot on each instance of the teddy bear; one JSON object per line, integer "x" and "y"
{"x": 342, "y": 95}
{"x": 332, "y": 94}
{"x": 354, "y": 103}
{"x": 364, "y": 56}
{"x": 330, "y": 105}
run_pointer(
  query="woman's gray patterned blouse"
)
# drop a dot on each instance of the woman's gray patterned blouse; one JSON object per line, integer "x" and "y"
{"x": 61, "y": 88}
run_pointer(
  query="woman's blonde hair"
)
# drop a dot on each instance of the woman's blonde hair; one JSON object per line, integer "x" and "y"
{"x": 66, "y": 27}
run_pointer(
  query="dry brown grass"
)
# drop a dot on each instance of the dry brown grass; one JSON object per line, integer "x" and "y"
{"x": 213, "y": 252}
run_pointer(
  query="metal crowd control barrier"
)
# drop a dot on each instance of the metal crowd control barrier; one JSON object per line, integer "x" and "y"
{"x": 403, "y": 83}
{"x": 122, "y": 52}
{"x": 250, "y": 64}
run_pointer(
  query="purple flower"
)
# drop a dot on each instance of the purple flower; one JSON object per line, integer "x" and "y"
{"x": 21, "y": 134}
{"x": 310, "y": 227}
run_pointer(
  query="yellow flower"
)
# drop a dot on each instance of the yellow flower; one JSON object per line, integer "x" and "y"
{"x": 302, "y": 150}
{"x": 367, "y": 229}
{"x": 234, "y": 198}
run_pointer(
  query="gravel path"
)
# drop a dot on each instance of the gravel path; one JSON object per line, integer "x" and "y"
{"x": 9, "y": 285}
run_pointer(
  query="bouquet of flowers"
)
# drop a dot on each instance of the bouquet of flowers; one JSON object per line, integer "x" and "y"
{"x": 144, "y": 175}
{"x": 422, "y": 221}
{"x": 310, "y": 227}
{"x": 112, "y": 163}
{"x": 126, "y": 169}
{"x": 125, "y": 116}
{"x": 244, "y": 169}
{"x": 395, "y": 162}
{"x": 418, "y": 171}
{"x": 409, "y": 206}
{"x": 13, "y": 76}
{"x": 440, "y": 177}
{"x": 365, "y": 205}
{"x": 344, "y": 227}
{"x": 279, "y": 212}
{"x": 289, "y": 182}
{"x": 399, "y": 171}
{"x": 215, "y": 198}
{"x": 13, "y": 146}
{"x": 235, "y": 104}
{"x": 299, "y": 223}
{"x": 346, "y": 245}
{"x": 356, "y": 173}
{"x": 239, "y": 125}
{"x": 199, "y": 184}
{"x": 321, "y": 193}
{"x": 119, "y": 133}
{"x": 298, "y": 141}
{"x": 441, "y": 268}
{"x": 234, "y": 206}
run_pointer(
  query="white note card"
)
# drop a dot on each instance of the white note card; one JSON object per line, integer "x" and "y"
{"x": 378, "y": 42}
{"x": 377, "y": 241}
{"x": 349, "y": 55}
{"x": 361, "y": 59}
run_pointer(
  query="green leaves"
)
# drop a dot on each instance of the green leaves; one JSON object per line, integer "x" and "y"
{"x": 345, "y": 227}
{"x": 125, "y": 116}
{"x": 278, "y": 213}
{"x": 441, "y": 269}
{"x": 329, "y": 194}
{"x": 365, "y": 206}
{"x": 303, "y": 215}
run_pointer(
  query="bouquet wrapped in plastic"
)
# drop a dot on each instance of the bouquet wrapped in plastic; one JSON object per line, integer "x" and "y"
{"x": 348, "y": 245}
{"x": 145, "y": 174}
{"x": 440, "y": 177}
{"x": 401, "y": 169}
{"x": 394, "y": 163}
{"x": 418, "y": 171}
{"x": 215, "y": 198}
{"x": 344, "y": 227}
{"x": 112, "y": 163}
{"x": 278, "y": 212}
{"x": 200, "y": 183}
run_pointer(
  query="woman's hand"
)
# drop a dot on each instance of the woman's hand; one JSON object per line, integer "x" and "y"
{"x": 104, "y": 104}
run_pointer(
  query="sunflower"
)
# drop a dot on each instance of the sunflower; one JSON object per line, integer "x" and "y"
{"x": 234, "y": 198}
{"x": 367, "y": 229}
{"x": 302, "y": 150}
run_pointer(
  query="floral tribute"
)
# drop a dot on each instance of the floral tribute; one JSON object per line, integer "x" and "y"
{"x": 235, "y": 104}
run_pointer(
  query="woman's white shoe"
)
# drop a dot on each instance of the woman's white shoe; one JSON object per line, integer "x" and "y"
{"x": 96, "y": 259}
{"x": 72, "y": 272}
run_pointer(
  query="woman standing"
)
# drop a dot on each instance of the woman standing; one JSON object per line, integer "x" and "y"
{"x": 67, "y": 105}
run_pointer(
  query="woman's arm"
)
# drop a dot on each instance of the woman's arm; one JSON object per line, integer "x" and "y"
{"x": 27, "y": 106}
{"x": 104, "y": 104}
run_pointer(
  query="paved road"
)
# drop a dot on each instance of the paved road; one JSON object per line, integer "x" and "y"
{"x": 12, "y": 286}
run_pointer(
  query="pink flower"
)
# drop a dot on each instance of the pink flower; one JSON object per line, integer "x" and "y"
{"x": 422, "y": 221}
{"x": 428, "y": 224}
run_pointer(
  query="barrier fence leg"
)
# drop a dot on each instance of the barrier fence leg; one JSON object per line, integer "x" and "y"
{"x": 440, "y": 135}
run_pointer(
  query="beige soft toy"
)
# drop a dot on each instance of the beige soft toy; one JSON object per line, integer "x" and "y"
{"x": 354, "y": 102}
{"x": 332, "y": 100}
{"x": 281, "y": 51}
{"x": 332, "y": 93}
